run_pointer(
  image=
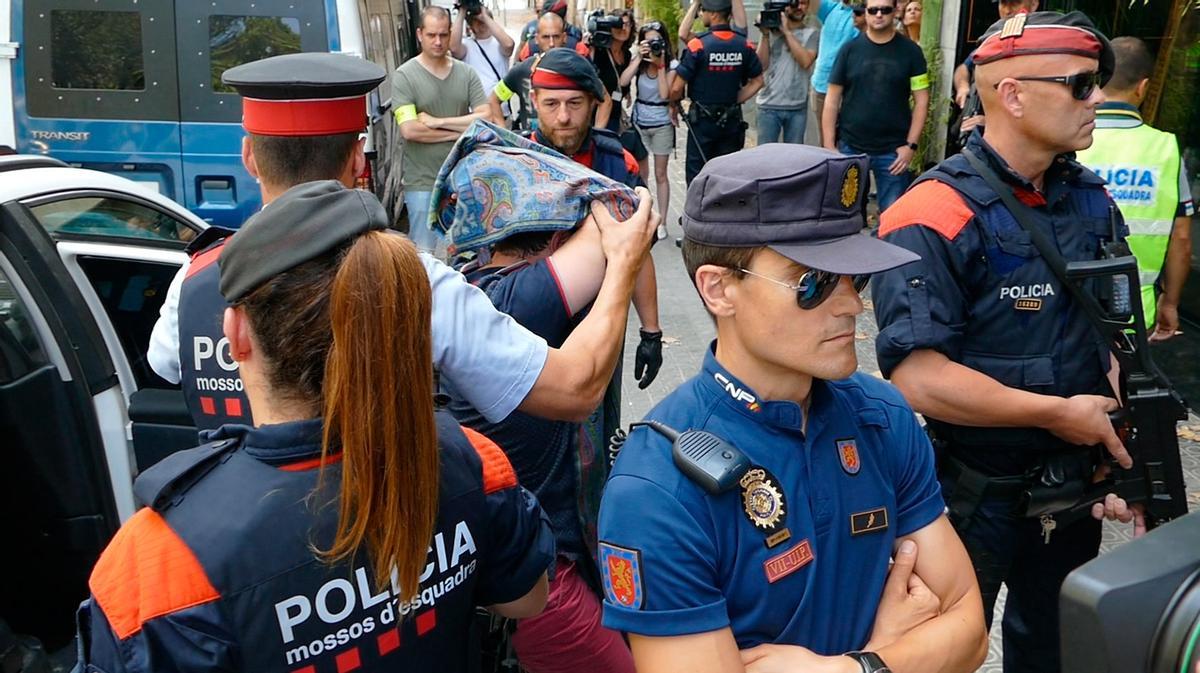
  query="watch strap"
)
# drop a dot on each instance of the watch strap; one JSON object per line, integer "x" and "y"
{"x": 870, "y": 662}
{"x": 913, "y": 146}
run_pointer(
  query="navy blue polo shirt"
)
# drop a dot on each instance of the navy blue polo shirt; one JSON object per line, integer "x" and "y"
{"x": 676, "y": 561}
{"x": 717, "y": 63}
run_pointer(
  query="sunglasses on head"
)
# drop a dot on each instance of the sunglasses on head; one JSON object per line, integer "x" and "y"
{"x": 814, "y": 286}
{"x": 1081, "y": 84}
{"x": 884, "y": 10}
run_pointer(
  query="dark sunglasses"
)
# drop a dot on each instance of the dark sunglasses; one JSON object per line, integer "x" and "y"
{"x": 884, "y": 10}
{"x": 814, "y": 287}
{"x": 1081, "y": 84}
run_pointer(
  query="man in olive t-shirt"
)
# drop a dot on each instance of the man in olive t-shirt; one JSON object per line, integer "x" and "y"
{"x": 435, "y": 99}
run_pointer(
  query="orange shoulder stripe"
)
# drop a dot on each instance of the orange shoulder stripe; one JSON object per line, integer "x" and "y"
{"x": 204, "y": 259}
{"x": 631, "y": 163}
{"x": 147, "y": 571}
{"x": 930, "y": 204}
{"x": 498, "y": 473}
{"x": 695, "y": 45}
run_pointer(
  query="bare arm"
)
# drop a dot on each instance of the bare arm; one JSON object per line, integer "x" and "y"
{"x": 737, "y": 17}
{"x": 456, "y": 125}
{"x": 645, "y": 297}
{"x": 829, "y": 116}
{"x": 950, "y": 392}
{"x": 764, "y": 49}
{"x": 710, "y": 652}
{"x": 962, "y": 84}
{"x": 749, "y": 89}
{"x": 919, "y": 113}
{"x": 415, "y": 131}
{"x": 529, "y": 605}
{"x": 689, "y": 18}
{"x": 506, "y": 42}
{"x": 457, "y": 48}
{"x": 495, "y": 111}
{"x": 1175, "y": 272}
{"x": 579, "y": 266}
{"x": 574, "y": 378}
{"x": 631, "y": 70}
{"x": 677, "y": 86}
{"x": 603, "y": 111}
{"x": 955, "y": 640}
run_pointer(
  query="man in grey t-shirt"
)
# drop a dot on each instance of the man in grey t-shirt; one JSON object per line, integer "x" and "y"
{"x": 435, "y": 99}
{"x": 787, "y": 53}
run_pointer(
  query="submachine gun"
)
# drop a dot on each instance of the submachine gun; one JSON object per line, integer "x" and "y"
{"x": 1108, "y": 291}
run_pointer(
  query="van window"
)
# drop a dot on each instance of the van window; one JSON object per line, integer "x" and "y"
{"x": 96, "y": 50}
{"x": 234, "y": 40}
{"x": 104, "y": 217}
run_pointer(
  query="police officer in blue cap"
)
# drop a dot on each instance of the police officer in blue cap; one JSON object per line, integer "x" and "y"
{"x": 784, "y": 563}
{"x": 720, "y": 70}
{"x": 987, "y": 342}
{"x": 304, "y": 115}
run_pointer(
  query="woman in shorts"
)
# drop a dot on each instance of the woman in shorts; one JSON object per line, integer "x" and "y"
{"x": 653, "y": 114}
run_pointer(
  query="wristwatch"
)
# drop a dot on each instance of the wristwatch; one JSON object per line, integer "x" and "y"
{"x": 870, "y": 662}
{"x": 913, "y": 146}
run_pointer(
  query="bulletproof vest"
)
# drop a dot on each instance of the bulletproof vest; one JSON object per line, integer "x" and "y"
{"x": 208, "y": 373}
{"x": 1025, "y": 330}
{"x": 721, "y": 71}
{"x": 608, "y": 158}
{"x": 253, "y": 527}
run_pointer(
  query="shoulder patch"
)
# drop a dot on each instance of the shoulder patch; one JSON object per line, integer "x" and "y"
{"x": 498, "y": 473}
{"x": 631, "y": 163}
{"x": 203, "y": 259}
{"x": 621, "y": 573}
{"x": 695, "y": 45}
{"x": 147, "y": 571}
{"x": 931, "y": 204}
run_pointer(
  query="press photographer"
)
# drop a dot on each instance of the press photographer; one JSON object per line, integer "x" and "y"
{"x": 787, "y": 49}
{"x": 611, "y": 39}
{"x": 487, "y": 48}
{"x": 654, "y": 116}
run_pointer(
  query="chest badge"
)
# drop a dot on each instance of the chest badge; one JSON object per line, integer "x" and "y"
{"x": 847, "y": 450}
{"x": 622, "y": 574}
{"x": 761, "y": 499}
{"x": 870, "y": 521}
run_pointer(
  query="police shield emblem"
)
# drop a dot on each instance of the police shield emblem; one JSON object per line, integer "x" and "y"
{"x": 622, "y": 574}
{"x": 847, "y": 452}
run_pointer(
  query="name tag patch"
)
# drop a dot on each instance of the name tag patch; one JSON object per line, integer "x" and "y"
{"x": 778, "y": 567}
{"x": 1028, "y": 304}
{"x": 869, "y": 521}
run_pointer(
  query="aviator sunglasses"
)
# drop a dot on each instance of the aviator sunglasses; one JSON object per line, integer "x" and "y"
{"x": 884, "y": 10}
{"x": 1081, "y": 84}
{"x": 814, "y": 287}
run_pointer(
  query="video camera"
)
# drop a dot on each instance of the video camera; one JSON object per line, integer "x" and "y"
{"x": 471, "y": 7}
{"x": 771, "y": 16}
{"x": 1136, "y": 608}
{"x": 600, "y": 25}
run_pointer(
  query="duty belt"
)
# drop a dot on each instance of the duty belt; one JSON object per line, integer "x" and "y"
{"x": 721, "y": 115}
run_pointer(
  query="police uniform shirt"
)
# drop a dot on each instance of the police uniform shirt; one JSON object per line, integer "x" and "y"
{"x": 470, "y": 338}
{"x": 717, "y": 63}
{"x": 981, "y": 294}
{"x": 797, "y": 554}
{"x": 223, "y": 575}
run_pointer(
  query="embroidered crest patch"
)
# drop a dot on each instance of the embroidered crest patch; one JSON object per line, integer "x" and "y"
{"x": 621, "y": 569}
{"x": 869, "y": 521}
{"x": 779, "y": 567}
{"x": 847, "y": 451}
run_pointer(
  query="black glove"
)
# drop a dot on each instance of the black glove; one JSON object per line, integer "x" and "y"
{"x": 648, "y": 359}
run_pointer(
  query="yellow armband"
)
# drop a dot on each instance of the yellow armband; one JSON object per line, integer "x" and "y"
{"x": 406, "y": 113}
{"x": 502, "y": 91}
{"x": 919, "y": 82}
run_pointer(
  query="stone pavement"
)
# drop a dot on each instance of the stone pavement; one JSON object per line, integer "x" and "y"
{"x": 687, "y": 331}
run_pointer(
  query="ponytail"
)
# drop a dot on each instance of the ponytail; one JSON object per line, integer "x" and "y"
{"x": 378, "y": 398}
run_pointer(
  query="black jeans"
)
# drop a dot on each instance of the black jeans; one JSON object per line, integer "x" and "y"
{"x": 1005, "y": 548}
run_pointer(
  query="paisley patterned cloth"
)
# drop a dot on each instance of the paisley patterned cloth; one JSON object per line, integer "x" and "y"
{"x": 495, "y": 184}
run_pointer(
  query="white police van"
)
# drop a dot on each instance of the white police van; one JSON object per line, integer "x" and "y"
{"x": 85, "y": 262}
{"x": 133, "y": 87}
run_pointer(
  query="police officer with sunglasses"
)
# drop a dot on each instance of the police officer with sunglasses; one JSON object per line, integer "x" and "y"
{"x": 787, "y": 567}
{"x": 989, "y": 345}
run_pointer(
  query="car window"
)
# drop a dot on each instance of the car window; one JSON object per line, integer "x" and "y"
{"x": 110, "y": 217}
{"x": 20, "y": 350}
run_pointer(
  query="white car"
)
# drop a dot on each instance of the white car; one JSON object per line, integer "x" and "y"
{"x": 85, "y": 262}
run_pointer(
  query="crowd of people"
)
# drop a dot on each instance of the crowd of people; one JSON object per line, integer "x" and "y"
{"x": 419, "y": 427}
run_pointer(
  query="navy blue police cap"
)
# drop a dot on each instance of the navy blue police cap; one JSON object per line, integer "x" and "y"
{"x": 804, "y": 202}
{"x": 304, "y": 223}
{"x": 306, "y": 94}
{"x": 562, "y": 68}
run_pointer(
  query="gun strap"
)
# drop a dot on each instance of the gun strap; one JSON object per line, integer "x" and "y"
{"x": 1020, "y": 213}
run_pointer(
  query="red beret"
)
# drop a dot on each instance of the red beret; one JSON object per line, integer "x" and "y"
{"x": 1045, "y": 33}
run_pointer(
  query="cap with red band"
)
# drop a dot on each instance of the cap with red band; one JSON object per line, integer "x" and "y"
{"x": 306, "y": 94}
{"x": 563, "y": 68}
{"x": 1039, "y": 33}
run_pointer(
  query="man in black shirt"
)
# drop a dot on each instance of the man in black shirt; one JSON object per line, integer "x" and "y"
{"x": 867, "y": 106}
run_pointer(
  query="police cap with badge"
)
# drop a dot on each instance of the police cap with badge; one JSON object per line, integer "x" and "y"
{"x": 1040, "y": 33}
